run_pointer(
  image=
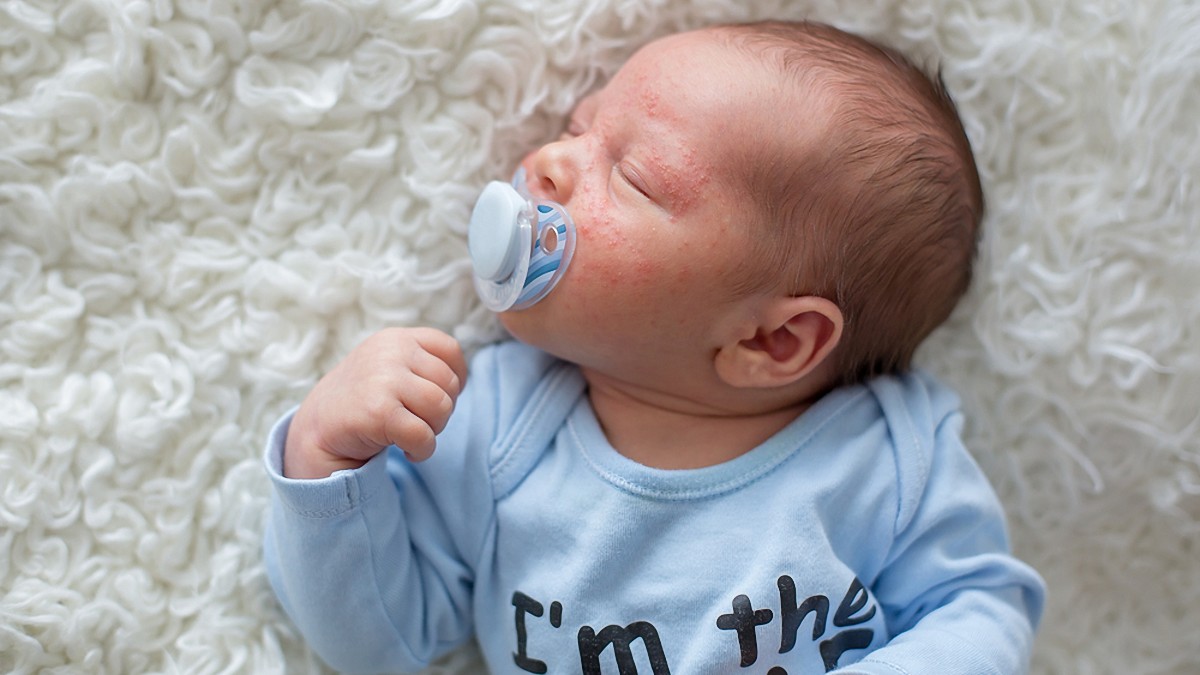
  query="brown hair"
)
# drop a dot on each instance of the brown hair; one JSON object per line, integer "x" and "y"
{"x": 883, "y": 217}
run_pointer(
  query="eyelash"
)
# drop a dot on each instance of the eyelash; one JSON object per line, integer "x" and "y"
{"x": 631, "y": 178}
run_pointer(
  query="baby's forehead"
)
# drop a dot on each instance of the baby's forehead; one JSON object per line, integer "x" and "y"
{"x": 692, "y": 79}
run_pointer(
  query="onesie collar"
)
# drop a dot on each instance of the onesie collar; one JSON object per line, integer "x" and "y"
{"x": 706, "y": 482}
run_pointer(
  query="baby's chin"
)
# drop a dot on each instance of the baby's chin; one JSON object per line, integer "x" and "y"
{"x": 534, "y": 327}
{"x": 526, "y": 325}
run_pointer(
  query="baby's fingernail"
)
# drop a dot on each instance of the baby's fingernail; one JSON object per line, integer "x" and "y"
{"x": 408, "y": 456}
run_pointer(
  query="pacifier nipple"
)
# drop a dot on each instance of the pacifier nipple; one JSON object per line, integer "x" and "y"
{"x": 520, "y": 247}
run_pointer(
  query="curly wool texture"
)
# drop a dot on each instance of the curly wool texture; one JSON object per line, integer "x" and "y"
{"x": 205, "y": 204}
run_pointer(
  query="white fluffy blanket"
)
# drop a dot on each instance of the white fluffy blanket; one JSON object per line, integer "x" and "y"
{"x": 205, "y": 203}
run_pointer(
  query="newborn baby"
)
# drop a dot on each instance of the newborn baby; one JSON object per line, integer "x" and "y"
{"x": 705, "y": 450}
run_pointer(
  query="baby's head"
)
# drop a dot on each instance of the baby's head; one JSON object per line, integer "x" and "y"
{"x": 881, "y": 215}
{"x": 759, "y": 207}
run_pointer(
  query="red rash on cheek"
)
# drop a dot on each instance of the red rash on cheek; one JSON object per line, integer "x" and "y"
{"x": 612, "y": 261}
{"x": 602, "y": 242}
{"x": 680, "y": 177}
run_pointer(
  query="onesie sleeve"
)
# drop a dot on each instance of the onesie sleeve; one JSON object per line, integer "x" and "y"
{"x": 956, "y": 599}
{"x": 375, "y": 565}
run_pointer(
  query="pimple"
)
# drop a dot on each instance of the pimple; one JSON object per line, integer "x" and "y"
{"x": 651, "y": 106}
{"x": 607, "y": 236}
{"x": 644, "y": 267}
{"x": 682, "y": 184}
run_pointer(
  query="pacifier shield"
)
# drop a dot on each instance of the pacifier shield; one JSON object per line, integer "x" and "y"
{"x": 520, "y": 247}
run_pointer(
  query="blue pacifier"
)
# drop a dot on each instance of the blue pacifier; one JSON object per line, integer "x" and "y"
{"x": 520, "y": 246}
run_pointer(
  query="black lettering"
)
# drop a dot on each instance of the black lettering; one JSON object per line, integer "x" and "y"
{"x": 833, "y": 648}
{"x": 856, "y": 598}
{"x": 792, "y": 615}
{"x": 745, "y": 620}
{"x": 526, "y": 605}
{"x": 592, "y": 645}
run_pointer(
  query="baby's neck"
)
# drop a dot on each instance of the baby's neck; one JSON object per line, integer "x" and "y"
{"x": 668, "y": 432}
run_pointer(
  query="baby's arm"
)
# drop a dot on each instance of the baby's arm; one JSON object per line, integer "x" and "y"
{"x": 357, "y": 549}
{"x": 957, "y": 601}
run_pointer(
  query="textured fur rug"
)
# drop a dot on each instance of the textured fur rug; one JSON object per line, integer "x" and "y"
{"x": 204, "y": 204}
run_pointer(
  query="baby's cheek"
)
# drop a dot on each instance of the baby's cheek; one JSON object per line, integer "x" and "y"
{"x": 609, "y": 268}
{"x": 610, "y": 254}
{"x": 615, "y": 258}
{"x": 600, "y": 236}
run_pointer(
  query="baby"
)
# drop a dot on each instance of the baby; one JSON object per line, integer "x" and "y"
{"x": 704, "y": 452}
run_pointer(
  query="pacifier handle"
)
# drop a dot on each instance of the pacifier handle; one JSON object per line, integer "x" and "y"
{"x": 494, "y": 233}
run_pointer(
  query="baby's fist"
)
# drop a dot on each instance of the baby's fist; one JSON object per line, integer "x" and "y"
{"x": 396, "y": 388}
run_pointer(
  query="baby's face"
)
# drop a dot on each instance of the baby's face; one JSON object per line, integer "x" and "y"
{"x": 651, "y": 169}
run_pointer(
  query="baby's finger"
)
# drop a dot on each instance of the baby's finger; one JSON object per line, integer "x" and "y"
{"x": 448, "y": 350}
{"x": 435, "y": 369}
{"x": 427, "y": 400}
{"x": 407, "y": 431}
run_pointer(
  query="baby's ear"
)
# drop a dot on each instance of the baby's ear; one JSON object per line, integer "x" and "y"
{"x": 792, "y": 338}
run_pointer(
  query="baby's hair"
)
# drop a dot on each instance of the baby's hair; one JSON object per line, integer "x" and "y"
{"x": 883, "y": 217}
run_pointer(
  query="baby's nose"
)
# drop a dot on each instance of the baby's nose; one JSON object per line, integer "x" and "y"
{"x": 552, "y": 171}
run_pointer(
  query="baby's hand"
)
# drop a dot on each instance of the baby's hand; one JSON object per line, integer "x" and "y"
{"x": 396, "y": 388}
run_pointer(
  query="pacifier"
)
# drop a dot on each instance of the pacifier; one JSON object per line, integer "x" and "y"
{"x": 520, "y": 246}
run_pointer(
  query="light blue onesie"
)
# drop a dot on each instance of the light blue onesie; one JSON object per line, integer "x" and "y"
{"x": 862, "y": 537}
